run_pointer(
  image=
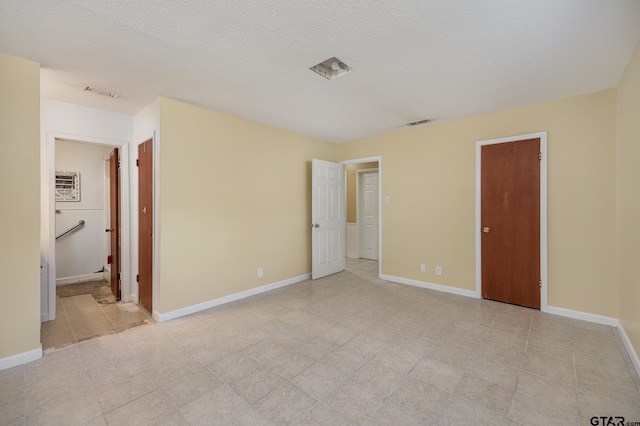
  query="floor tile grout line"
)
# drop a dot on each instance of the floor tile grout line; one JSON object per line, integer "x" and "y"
{"x": 372, "y": 321}
{"x": 515, "y": 390}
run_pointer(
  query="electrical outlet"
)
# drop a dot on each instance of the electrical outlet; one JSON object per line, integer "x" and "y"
{"x": 438, "y": 270}
{"x": 423, "y": 267}
{"x": 260, "y": 272}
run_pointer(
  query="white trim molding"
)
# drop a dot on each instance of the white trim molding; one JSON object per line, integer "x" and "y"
{"x": 598, "y": 319}
{"x": 430, "y": 286}
{"x": 19, "y": 359}
{"x": 226, "y": 299}
{"x": 543, "y": 212}
{"x": 48, "y": 242}
{"x": 80, "y": 278}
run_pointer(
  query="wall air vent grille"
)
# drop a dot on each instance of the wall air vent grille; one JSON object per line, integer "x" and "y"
{"x": 67, "y": 186}
{"x": 419, "y": 122}
{"x": 101, "y": 92}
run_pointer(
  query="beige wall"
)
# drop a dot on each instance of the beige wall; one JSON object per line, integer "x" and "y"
{"x": 629, "y": 199}
{"x": 351, "y": 170}
{"x": 429, "y": 175}
{"x": 20, "y": 205}
{"x": 235, "y": 197}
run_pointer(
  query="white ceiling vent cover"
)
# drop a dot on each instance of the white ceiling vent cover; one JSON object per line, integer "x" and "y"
{"x": 102, "y": 92}
{"x": 331, "y": 68}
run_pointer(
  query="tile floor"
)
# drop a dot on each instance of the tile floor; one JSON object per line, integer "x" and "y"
{"x": 344, "y": 350}
{"x": 81, "y": 317}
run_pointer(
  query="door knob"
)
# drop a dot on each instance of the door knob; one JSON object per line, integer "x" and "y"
{"x": 315, "y": 225}
{"x": 486, "y": 229}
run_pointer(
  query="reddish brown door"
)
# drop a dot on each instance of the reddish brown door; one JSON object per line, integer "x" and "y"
{"x": 114, "y": 226}
{"x": 510, "y": 210}
{"x": 145, "y": 224}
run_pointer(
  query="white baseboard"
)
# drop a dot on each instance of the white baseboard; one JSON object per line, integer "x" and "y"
{"x": 44, "y": 317}
{"x": 80, "y": 278}
{"x": 431, "y": 286}
{"x": 226, "y": 299}
{"x": 630, "y": 349}
{"x": 19, "y": 359}
{"x": 598, "y": 319}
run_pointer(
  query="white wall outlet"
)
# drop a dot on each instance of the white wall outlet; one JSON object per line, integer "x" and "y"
{"x": 260, "y": 272}
{"x": 438, "y": 270}
{"x": 423, "y": 267}
{"x": 386, "y": 199}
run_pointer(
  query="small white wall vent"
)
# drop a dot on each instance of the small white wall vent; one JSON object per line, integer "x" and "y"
{"x": 67, "y": 186}
{"x": 331, "y": 68}
{"x": 102, "y": 92}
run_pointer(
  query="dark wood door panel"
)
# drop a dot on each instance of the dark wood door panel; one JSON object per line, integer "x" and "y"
{"x": 510, "y": 217}
{"x": 145, "y": 224}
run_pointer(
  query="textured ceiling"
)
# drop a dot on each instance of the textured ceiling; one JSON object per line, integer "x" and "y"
{"x": 411, "y": 59}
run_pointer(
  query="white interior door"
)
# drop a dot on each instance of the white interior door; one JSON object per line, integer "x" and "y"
{"x": 328, "y": 218}
{"x": 369, "y": 217}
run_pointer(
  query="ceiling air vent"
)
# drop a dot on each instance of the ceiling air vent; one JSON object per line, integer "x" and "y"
{"x": 419, "y": 122}
{"x": 102, "y": 92}
{"x": 331, "y": 68}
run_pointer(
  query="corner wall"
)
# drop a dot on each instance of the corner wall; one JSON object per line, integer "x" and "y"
{"x": 235, "y": 198}
{"x": 20, "y": 210}
{"x": 629, "y": 200}
{"x": 429, "y": 175}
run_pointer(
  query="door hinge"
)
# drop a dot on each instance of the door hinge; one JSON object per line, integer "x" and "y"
{"x": 540, "y": 156}
{"x": 540, "y": 282}
{"x": 138, "y": 278}
{"x": 138, "y": 163}
{"x": 117, "y": 164}
{"x": 118, "y": 276}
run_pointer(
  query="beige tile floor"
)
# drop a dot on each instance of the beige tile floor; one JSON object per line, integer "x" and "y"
{"x": 81, "y": 317}
{"x": 347, "y": 349}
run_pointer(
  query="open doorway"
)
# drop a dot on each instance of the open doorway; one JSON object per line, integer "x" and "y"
{"x": 364, "y": 224}
{"x": 330, "y": 232}
{"x": 82, "y": 248}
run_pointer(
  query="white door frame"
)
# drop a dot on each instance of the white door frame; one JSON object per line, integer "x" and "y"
{"x": 48, "y": 220}
{"x": 359, "y": 203}
{"x": 371, "y": 160}
{"x": 543, "y": 212}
